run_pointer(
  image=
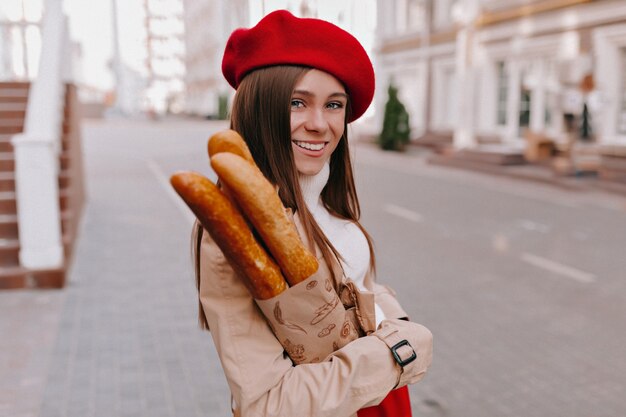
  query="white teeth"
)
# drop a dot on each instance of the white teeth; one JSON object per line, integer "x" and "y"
{"x": 310, "y": 146}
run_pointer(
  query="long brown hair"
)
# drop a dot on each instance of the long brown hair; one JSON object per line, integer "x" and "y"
{"x": 261, "y": 115}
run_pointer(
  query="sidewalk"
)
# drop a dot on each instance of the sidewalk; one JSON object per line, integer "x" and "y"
{"x": 531, "y": 172}
{"x": 121, "y": 338}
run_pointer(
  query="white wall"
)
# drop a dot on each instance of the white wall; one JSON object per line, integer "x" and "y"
{"x": 609, "y": 76}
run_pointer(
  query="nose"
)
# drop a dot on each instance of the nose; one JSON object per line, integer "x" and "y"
{"x": 315, "y": 121}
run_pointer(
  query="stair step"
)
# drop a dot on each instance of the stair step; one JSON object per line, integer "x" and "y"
{"x": 13, "y": 278}
{"x": 13, "y": 95}
{"x": 10, "y": 249}
{"x": 12, "y": 114}
{"x": 64, "y": 161}
{"x": 13, "y": 107}
{"x": 19, "y": 277}
{"x": 7, "y": 202}
{"x": 5, "y": 144}
{"x": 18, "y": 100}
{"x": 51, "y": 278}
{"x": 10, "y": 129}
{"x": 65, "y": 180}
{"x": 7, "y": 181}
{"x": 13, "y": 91}
{"x": 64, "y": 199}
{"x": 9, "y": 252}
{"x": 7, "y": 162}
{"x": 15, "y": 84}
{"x": 8, "y": 226}
{"x": 11, "y": 121}
{"x": 492, "y": 155}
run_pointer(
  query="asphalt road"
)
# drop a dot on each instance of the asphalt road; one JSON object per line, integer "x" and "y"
{"x": 523, "y": 286}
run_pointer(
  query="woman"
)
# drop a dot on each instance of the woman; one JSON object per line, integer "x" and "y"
{"x": 299, "y": 82}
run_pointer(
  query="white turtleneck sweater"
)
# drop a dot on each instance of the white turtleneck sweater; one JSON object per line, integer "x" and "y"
{"x": 345, "y": 236}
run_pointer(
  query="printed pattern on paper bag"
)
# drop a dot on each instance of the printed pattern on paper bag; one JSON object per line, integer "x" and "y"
{"x": 278, "y": 315}
{"x": 311, "y": 285}
{"x": 326, "y": 330}
{"x": 295, "y": 351}
{"x": 346, "y": 329}
{"x": 325, "y": 310}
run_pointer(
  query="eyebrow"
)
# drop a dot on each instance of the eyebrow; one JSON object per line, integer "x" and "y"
{"x": 308, "y": 93}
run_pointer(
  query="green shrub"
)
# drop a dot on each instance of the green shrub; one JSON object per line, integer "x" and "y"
{"x": 222, "y": 107}
{"x": 396, "y": 128}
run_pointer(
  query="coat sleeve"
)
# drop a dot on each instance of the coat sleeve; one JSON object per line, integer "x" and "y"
{"x": 262, "y": 379}
{"x": 386, "y": 299}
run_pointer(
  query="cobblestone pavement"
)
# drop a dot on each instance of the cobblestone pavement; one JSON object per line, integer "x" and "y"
{"x": 121, "y": 339}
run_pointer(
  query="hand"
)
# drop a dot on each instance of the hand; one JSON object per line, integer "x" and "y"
{"x": 411, "y": 347}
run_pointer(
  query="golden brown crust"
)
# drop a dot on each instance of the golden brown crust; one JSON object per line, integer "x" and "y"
{"x": 229, "y": 141}
{"x": 260, "y": 203}
{"x": 231, "y": 233}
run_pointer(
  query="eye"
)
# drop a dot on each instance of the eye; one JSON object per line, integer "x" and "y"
{"x": 296, "y": 103}
{"x": 335, "y": 105}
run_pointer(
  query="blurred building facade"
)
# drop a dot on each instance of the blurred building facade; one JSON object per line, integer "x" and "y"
{"x": 20, "y": 39}
{"x": 165, "y": 51}
{"x": 207, "y": 27}
{"x": 148, "y": 57}
{"x": 477, "y": 71}
{"x": 208, "y": 24}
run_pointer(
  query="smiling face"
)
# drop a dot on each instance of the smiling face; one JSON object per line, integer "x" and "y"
{"x": 318, "y": 113}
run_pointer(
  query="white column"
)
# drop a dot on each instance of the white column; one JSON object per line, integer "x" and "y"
{"x": 122, "y": 102}
{"x": 37, "y": 152}
{"x": 464, "y": 135}
{"x": 5, "y": 51}
{"x": 608, "y": 70}
{"x": 465, "y": 13}
{"x": 538, "y": 94}
{"x": 513, "y": 100}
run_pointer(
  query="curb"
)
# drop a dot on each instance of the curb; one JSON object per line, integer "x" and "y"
{"x": 535, "y": 173}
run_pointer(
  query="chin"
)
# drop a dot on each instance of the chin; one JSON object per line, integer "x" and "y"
{"x": 309, "y": 169}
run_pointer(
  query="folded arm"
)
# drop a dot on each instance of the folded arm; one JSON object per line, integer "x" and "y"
{"x": 262, "y": 378}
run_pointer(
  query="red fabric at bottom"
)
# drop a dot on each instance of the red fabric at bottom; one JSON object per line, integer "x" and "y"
{"x": 395, "y": 404}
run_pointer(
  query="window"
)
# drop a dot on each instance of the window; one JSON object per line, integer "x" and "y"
{"x": 450, "y": 97}
{"x": 621, "y": 117}
{"x": 415, "y": 15}
{"x": 552, "y": 90}
{"x": 524, "y": 110}
{"x": 442, "y": 13}
{"x": 410, "y": 15}
{"x": 503, "y": 89}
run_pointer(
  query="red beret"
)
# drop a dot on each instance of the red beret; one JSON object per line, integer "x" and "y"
{"x": 281, "y": 38}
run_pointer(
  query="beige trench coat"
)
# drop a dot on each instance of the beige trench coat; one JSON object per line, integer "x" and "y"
{"x": 262, "y": 379}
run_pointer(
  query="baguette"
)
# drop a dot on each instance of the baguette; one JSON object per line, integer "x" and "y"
{"x": 231, "y": 233}
{"x": 259, "y": 201}
{"x": 229, "y": 141}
